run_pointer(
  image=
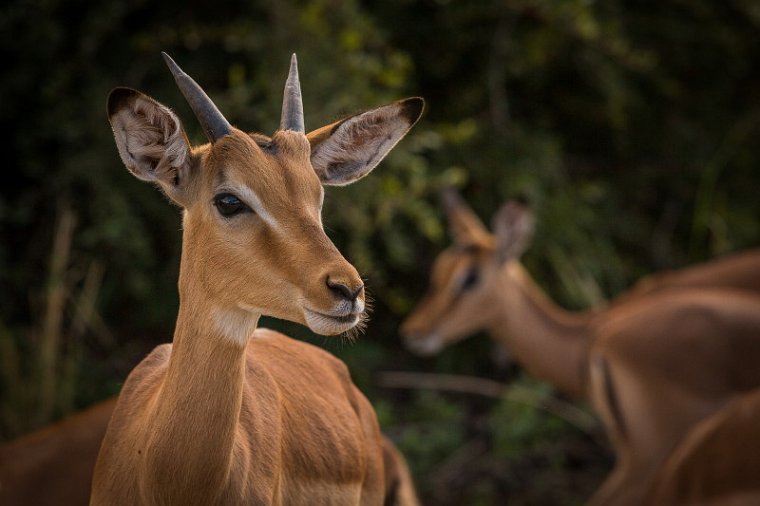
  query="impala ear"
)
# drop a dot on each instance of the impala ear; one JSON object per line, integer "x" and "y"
{"x": 349, "y": 149}
{"x": 513, "y": 227}
{"x": 150, "y": 139}
{"x": 465, "y": 227}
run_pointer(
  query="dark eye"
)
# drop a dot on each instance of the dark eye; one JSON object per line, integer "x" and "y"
{"x": 471, "y": 279}
{"x": 229, "y": 205}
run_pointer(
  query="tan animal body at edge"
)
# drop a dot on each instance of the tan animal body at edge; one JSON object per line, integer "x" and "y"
{"x": 60, "y": 456}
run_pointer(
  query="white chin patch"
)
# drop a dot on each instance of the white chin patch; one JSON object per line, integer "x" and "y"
{"x": 329, "y": 325}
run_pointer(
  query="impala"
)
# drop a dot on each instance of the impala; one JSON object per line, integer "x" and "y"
{"x": 651, "y": 366}
{"x": 717, "y": 463}
{"x": 399, "y": 484}
{"x": 455, "y": 307}
{"x": 53, "y": 465}
{"x": 228, "y": 413}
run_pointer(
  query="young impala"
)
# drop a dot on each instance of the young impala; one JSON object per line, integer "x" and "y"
{"x": 228, "y": 413}
{"x": 651, "y": 365}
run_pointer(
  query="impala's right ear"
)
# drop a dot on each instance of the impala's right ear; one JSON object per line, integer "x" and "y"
{"x": 513, "y": 227}
{"x": 150, "y": 139}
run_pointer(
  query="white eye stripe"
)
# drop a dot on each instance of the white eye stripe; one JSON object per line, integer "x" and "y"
{"x": 253, "y": 201}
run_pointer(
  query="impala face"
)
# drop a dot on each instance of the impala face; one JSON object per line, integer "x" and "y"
{"x": 253, "y": 239}
{"x": 254, "y": 223}
{"x": 458, "y": 302}
{"x": 464, "y": 293}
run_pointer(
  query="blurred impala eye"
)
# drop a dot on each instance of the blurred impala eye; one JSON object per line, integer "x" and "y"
{"x": 229, "y": 205}
{"x": 470, "y": 280}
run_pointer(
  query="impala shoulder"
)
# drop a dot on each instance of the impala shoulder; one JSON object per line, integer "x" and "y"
{"x": 300, "y": 353}
{"x": 146, "y": 373}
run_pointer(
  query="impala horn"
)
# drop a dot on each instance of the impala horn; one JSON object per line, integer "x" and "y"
{"x": 214, "y": 124}
{"x": 292, "y": 104}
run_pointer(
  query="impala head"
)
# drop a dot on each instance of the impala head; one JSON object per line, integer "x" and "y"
{"x": 253, "y": 239}
{"x": 464, "y": 285}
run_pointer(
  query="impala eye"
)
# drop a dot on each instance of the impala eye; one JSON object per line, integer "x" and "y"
{"x": 229, "y": 205}
{"x": 471, "y": 279}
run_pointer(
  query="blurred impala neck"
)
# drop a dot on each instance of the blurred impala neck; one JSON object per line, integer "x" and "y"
{"x": 551, "y": 342}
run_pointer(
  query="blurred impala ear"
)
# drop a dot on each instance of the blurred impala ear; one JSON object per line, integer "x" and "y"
{"x": 513, "y": 226}
{"x": 150, "y": 139}
{"x": 349, "y": 149}
{"x": 465, "y": 227}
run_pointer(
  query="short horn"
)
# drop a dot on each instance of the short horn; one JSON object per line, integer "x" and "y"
{"x": 292, "y": 104}
{"x": 214, "y": 124}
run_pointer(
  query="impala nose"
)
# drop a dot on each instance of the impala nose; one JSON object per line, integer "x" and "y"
{"x": 344, "y": 291}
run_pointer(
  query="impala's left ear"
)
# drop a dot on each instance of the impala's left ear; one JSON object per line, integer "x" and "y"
{"x": 349, "y": 149}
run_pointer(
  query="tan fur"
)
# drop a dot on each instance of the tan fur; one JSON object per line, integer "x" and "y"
{"x": 228, "y": 414}
{"x": 399, "y": 485}
{"x": 657, "y": 363}
{"x": 63, "y": 457}
{"x": 718, "y": 462}
{"x": 53, "y": 466}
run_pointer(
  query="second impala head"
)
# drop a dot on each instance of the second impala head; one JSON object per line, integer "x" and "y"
{"x": 253, "y": 238}
{"x": 472, "y": 279}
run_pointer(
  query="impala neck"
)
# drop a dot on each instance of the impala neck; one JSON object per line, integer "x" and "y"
{"x": 199, "y": 404}
{"x": 549, "y": 341}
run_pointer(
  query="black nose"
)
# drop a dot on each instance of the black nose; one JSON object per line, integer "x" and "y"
{"x": 344, "y": 291}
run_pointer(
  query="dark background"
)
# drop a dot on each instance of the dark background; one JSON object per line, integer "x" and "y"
{"x": 630, "y": 126}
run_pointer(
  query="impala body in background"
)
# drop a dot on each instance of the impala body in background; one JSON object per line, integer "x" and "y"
{"x": 718, "y": 462}
{"x": 53, "y": 465}
{"x": 228, "y": 413}
{"x": 740, "y": 270}
{"x": 399, "y": 483}
{"x": 651, "y": 366}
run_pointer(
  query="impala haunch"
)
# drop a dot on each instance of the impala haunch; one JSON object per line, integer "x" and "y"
{"x": 651, "y": 366}
{"x": 717, "y": 462}
{"x": 228, "y": 413}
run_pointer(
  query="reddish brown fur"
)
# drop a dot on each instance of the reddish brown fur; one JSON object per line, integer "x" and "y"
{"x": 53, "y": 466}
{"x": 717, "y": 463}
{"x": 63, "y": 457}
{"x": 287, "y": 423}
{"x": 399, "y": 485}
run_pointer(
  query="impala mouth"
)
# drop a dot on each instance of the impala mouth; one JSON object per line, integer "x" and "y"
{"x": 330, "y": 324}
{"x": 424, "y": 345}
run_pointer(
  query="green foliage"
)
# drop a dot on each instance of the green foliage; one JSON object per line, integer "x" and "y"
{"x": 520, "y": 428}
{"x": 435, "y": 430}
{"x": 629, "y": 126}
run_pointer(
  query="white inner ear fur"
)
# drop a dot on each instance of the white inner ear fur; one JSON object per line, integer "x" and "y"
{"x": 151, "y": 141}
{"x": 513, "y": 228}
{"x": 358, "y": 145}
